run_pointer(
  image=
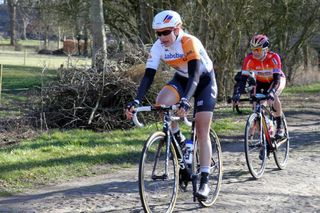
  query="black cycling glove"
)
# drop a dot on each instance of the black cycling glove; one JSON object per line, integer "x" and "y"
{"x": 271, "y": 94}
{"x": 184, "y": 104}
{"x": 131, "y": 104}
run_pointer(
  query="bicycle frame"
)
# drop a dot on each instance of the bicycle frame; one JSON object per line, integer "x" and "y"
{"x": 170, "y": 139}
{"x": 260, "y": 110}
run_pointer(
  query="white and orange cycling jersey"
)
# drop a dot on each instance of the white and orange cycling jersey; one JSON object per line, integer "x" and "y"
{"x": 185, "y": 48}
{"x": 263, "y": 70}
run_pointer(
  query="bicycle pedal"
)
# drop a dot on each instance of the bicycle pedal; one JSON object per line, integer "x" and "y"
{"x": 280, "y": 141}
{"x": 268, "y": 155}
{"x": 269, "y": 150}
{"x": 183, "y": 185}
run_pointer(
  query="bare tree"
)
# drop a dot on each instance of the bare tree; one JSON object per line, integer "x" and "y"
{"x": 26, "y": 13}
{"x": 99, "y": 46}
{"x": 145, "y": 20}
{"x": 12, "y": 5}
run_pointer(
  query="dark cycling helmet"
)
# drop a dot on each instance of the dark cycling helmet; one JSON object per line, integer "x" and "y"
{"x": 259, "y": 41}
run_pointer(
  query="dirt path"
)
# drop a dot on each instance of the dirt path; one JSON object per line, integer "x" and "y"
{"x": 295, "y": 189}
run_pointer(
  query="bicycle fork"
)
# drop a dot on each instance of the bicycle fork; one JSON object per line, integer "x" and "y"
{"x": 167, "y": 144}
{"x": 165, "y": 175}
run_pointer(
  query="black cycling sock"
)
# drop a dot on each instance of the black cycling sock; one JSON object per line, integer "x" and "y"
{"x": 279, "y": 123}
{"x": 204, "y": 178}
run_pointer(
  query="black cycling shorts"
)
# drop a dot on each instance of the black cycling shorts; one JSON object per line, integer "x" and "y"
{"x": 205, "y": 95}
{"x": 262, "y": 87}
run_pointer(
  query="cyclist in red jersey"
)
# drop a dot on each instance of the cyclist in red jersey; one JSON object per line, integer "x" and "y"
{"x": 266, "y": 67}
{"x": 193, "y": 77}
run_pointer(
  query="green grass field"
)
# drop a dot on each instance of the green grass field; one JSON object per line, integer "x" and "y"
{"x": 28, "y": 43}
{"x": 28, "y": 55}
{"x": 18, "y": 77}
{"x": 36, "y": 60}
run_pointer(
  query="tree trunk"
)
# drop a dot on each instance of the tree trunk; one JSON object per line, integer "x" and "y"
{"x": 12, "y": 13}
{"x": 99, "y": 45}
{"x": 203, "y": 31}
{"x": 145, "y": 20}
{"x": 46, "y": 38}
{"x": 24, "y": 30}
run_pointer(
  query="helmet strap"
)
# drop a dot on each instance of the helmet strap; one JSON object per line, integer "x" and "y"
{"x": 177, "y": 33}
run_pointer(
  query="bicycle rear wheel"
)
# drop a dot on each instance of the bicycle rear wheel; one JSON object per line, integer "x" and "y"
{"x": 215, "y": 176}
{"x": 281, "y": 153}
{"x": 255, "y": 148}
{"x": 158, "y": 189}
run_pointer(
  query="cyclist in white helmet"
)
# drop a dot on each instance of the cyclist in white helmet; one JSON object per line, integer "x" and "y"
{"x": 193, "y": 77}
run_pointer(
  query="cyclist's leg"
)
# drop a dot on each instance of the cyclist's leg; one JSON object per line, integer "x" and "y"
{"x": 203, "y": 123}
{"x": 278, "y": 109}
{"x": 205, "y": 99}
{"x": 277, "y": 104}
{"x": 170, "y": 94}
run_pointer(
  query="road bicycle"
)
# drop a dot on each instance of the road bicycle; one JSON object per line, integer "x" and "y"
{"x": 259, "y": 138}
{"x": 163, "y": 169}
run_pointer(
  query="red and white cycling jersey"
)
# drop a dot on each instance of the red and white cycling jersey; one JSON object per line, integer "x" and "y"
{"x": 185, "y": 48}
{"x": 263, "y": 70}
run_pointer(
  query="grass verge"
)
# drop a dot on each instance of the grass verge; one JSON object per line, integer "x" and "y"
{"x": 16, "y": 81}
{"x": 312, "y": 88}
{"x": 59, "y": 156}
{"x": 21, "y": 77}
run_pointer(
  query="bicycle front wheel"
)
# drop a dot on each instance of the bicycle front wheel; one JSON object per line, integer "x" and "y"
{"x": 158, "y": 182}
{"x": 255, "y": 148}
{"x": 215, "y": 176}
{"x": 281, "y": 153}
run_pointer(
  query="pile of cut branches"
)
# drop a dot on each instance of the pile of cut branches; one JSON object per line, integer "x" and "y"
{"x": 87, "y": 98}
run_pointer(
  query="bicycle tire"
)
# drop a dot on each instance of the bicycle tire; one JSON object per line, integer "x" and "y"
{"x": 281, "y": 154}
{"x": 157, "y": 193}
{"x": 255, "y": 146}
{"x": 215, "y": 176}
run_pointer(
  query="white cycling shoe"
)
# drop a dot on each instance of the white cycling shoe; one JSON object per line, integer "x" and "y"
{"x": 203, "y": 192}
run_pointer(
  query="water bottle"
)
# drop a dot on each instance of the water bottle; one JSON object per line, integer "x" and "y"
{"x": 189, "y": 149}
{"x": 270, "y": 126}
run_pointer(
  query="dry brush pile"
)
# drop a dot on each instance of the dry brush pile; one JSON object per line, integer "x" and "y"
{"x": 86, "y": 98}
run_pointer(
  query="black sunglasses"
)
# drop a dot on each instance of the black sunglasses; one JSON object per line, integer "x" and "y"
{"x": 165, "y": 33}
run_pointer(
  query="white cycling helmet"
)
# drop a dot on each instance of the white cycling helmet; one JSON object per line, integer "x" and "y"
{"x": 166, "y": 18}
